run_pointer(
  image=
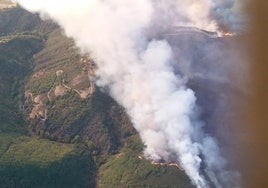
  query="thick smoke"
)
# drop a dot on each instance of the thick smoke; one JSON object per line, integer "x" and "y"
{"x": 123, "y": 37}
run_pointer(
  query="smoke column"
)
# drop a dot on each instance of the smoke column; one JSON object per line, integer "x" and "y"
{"x": 137, "y": 68}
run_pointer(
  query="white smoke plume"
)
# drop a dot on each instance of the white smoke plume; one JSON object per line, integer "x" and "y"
{"x": 137, "y": 67}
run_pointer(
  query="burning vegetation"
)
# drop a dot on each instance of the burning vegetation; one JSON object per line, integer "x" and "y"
{"x": 169, "y": 164}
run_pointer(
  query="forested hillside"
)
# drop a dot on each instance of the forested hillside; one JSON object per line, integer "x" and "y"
{"x": 57, "y": 128}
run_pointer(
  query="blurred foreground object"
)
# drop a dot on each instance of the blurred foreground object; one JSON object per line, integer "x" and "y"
{"x": 258, "y": 112}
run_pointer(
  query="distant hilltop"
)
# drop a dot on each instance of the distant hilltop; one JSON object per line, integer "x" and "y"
{"x": 7, "y": 4}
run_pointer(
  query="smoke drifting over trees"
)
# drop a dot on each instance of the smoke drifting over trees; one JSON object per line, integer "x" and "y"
{"x": 139, "y": 63}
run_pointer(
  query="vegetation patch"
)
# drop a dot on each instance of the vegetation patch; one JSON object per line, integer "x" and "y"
{"x": 15, "y": 63}
{"x": 35, "y": 151}
{"x": 127, "y": 169}
{"x": 32, "y": 162}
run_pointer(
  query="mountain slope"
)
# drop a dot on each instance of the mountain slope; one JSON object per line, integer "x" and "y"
{"x": 15, "y": 62}
{"x": 58, "y": 128}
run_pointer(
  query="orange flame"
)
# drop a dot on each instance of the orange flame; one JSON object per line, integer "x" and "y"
{"x": 162, "y": 164}
{"x": 166, "y": 164}
{"x": 226, "y": 34}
